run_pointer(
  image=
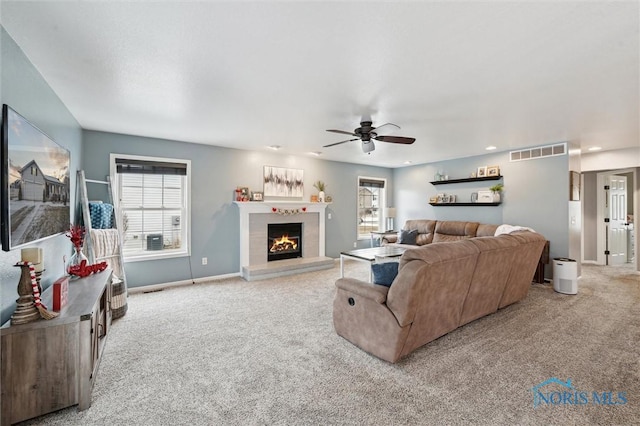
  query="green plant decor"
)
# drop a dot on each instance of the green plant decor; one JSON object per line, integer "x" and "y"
{"x": 319, "y": 185}
{"x": 497, "y": 188}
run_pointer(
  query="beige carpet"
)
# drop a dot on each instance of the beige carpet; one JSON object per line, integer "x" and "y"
{"x": 262, "y": 353}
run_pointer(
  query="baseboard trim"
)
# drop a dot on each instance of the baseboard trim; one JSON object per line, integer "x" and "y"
{"x": 158, "y": 287}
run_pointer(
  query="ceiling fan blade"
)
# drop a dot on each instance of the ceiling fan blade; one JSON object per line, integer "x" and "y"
{"x": 338, "y": 143}
{"x": 396, "y": 139}
{"x": 383, "y": 125}
{"x": 341, "y": 131}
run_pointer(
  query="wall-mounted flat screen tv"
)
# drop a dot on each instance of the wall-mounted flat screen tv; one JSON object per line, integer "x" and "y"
{"x": 35, "y": 183}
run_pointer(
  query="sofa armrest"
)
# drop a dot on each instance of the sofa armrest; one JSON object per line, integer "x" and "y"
{"x": 389, "y": 239}
{"x": 375, "y": 292}
{"x": 361, "y": 315}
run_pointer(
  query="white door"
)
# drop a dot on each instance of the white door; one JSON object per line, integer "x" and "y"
{"x": 617, "y": 213}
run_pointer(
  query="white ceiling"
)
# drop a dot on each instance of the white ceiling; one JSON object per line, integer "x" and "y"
{"x": 457, "y": 76}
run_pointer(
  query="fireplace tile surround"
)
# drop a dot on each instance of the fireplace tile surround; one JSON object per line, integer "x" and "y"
{"x": 254, "y": 218}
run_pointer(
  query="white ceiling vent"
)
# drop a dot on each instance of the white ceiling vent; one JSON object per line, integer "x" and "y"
{"x": 538, "y": 152}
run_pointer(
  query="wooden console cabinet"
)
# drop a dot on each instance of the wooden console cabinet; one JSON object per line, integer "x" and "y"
{"x": 52, "y": 364}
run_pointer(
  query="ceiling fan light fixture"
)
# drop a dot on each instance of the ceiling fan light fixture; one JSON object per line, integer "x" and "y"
{"x": 368, "y": 146}
{"x": 367, "y": 133}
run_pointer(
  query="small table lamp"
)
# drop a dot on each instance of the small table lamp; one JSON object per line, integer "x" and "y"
{"x": 390, "y": 213}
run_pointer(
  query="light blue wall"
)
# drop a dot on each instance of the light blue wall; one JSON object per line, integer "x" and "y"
{"x": 536, "y": 194}
{"x": 24, "y": 89}
{"x": 216, "y": 172}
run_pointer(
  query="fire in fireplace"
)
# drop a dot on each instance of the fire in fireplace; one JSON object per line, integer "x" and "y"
{"x": 284, "y": 241}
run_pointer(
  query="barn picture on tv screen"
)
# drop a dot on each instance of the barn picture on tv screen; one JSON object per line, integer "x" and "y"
{"x": 37, "y": 183}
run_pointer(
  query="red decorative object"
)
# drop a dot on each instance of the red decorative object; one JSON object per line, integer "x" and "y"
{"x": 84, "y": 270}
{"x": 286, "y": 212}
{"x": 60, "y": 293}
{"x": 76, "y": 235}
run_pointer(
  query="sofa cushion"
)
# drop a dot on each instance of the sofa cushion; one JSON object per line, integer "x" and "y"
{"x": 486, "y": 230}
{"x": 384, "y": 273}
{"x": 425, "y": 228}
{"x": 407, "y": 236}
{"x": 449, "y": 230}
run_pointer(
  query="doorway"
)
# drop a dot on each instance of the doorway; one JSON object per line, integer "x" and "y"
{"x": 614, "y": 219}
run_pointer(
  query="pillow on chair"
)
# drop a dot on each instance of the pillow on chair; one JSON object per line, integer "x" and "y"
{"x": 408, "y": 237}
{"x": 384, "y": 273}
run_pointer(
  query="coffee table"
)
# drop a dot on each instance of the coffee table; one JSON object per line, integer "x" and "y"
{"x": 369, "y": 255}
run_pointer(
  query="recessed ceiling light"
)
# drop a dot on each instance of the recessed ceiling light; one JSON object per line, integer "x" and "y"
{"x": 408, "y": 162}
{"x": 316, "y": 153}
{"x": 275, "y": 147}
{"x": 490, "y": 148}
{"x": 595, "y": 148}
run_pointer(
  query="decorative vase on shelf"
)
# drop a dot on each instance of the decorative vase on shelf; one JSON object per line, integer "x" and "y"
{"x": 320, "y": 186}
{"x": 76, "y": 259}
{"x": 496, "y": 190}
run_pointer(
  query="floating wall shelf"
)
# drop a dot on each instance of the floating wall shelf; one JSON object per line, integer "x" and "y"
{"x": 464, "y": 204}
{"x": 480, "y": 179}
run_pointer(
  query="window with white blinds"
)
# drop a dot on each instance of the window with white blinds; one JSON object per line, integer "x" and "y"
{"x": 371, "y": 199}
{"x": 153, "y": 205}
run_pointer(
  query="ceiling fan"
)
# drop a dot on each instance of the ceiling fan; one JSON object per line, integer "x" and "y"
{"x": 367, "y": 134}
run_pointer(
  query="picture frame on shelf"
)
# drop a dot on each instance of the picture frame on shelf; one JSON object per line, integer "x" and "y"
{"x": 257, "y": 196}
{"x": 242, "y": 193}
{"x": 493, "y": 171}
{"x": 485, "y": 196}
{"x": 482, "y": 172}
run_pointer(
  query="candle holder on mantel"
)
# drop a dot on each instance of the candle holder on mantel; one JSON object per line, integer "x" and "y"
{"x": 26, "y": 310}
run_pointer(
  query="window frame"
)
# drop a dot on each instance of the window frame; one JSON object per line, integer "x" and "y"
{"x": 185, "y": 224}
{"x": 381, "y": 204}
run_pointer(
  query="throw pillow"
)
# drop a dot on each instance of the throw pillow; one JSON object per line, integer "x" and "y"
{"x": 408, "y": 237}
{"x": 384, "y": 273}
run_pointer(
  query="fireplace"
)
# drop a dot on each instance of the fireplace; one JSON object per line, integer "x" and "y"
{"x": 284, "y": 241}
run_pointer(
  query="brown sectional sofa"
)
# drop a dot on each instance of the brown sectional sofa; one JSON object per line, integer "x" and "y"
{"x": 432, "y": 231}
{"x": 440, "y": 286}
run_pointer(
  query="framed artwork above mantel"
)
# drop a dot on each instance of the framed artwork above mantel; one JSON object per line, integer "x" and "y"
{"x": 283, "y": 182}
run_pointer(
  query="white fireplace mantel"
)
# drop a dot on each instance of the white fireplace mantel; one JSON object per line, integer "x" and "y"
{"x": 247, "y": 208}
